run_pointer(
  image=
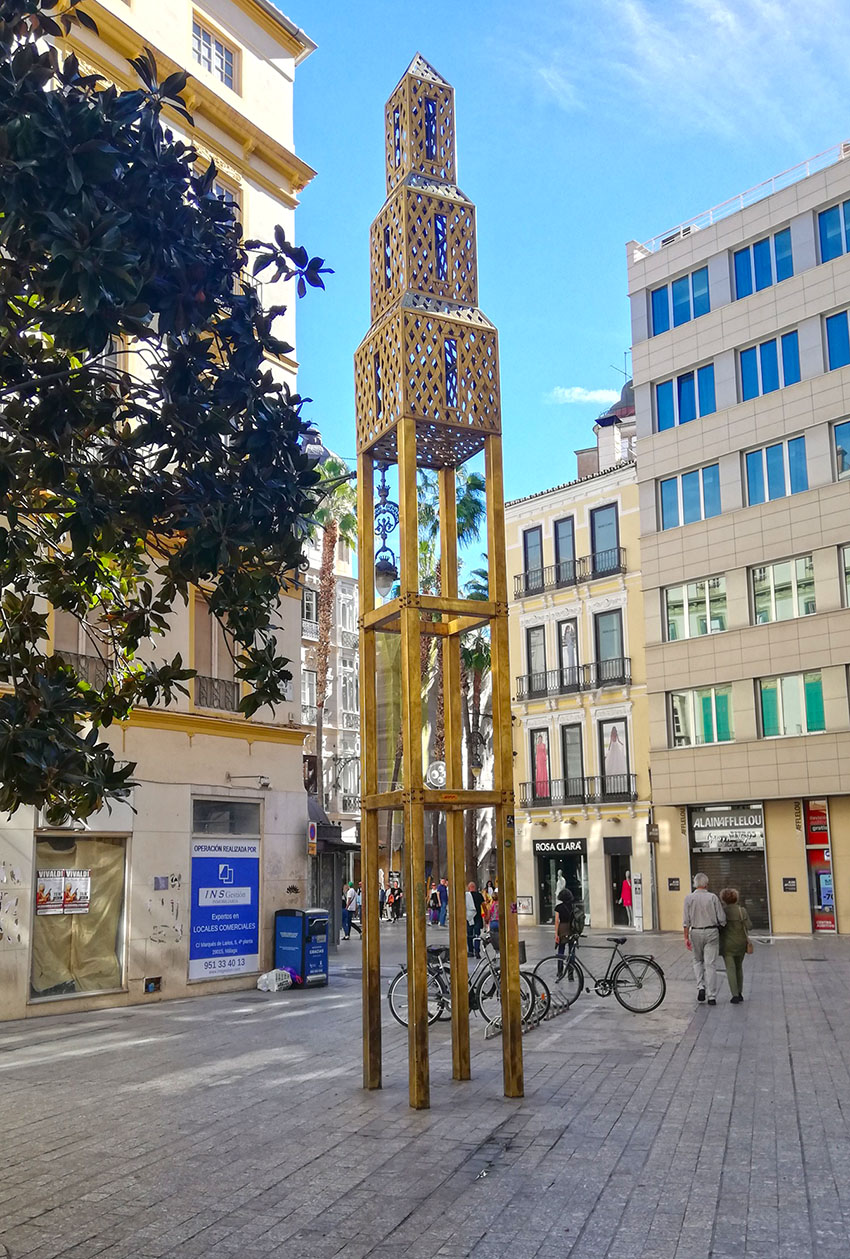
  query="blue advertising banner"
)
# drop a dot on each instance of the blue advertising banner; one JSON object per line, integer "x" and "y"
{"x": 225, "y": 916}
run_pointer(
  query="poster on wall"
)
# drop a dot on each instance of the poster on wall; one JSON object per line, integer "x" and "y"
{"x": 49, "y": 892}
{"x": 225, "y": 914}
{"x": 728, "y": 827}
{"x": 817, "y": 823}
{"x": 614, "y": 754}
{"x": 76, "y": 895}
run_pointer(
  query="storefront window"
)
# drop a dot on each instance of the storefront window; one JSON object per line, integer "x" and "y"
{"x": 561, "y": 863}
{"x": 78, "y": 929}
{"x": 819, "y": 864}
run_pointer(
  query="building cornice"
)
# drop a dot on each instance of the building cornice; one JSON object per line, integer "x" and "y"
{"x": 218, "y": 727}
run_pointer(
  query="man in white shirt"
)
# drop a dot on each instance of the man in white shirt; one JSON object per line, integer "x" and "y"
{"x": 349, "y": 911}
{"x": 703, "y": 916}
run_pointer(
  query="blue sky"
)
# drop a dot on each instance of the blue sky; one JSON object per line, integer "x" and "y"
{"x": 581, "y": 124}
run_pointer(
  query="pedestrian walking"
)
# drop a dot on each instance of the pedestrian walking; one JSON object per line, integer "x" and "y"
{"x": 494, "y": 920}
{"x": 398, "y": 902}
{"x": 382, "y": 901}
{"x": 443, "y": 894}
{"x": 702, "y": 917}
{"x": 735, "y": 942}
{"x": 434, "y": 907}
{"x": 474, "y": 920}
{"x": 348, "y": 910}
{"x": 564, "y": 933}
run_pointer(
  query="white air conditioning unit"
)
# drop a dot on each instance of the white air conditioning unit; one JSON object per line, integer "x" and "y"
{"x": 679, "y": 234}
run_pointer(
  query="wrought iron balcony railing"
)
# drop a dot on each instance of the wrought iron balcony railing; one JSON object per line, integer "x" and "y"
{"x": 310, "y": 630}
{"x": 351, "y": 721}
{"x": 308, "y": 714}
{"x": 596, "y": 789}
{"x": 568, "y": 572}
{"x": 349, "y": 639}
{"x": 90, "y": 668}
{"x": 350, "y": 803}
{"x": 217, "y": 693}
{"x": 586, "y": 677}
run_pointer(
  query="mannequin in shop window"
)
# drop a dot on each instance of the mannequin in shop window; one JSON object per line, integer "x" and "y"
{"x": 541, "y": 767}
{"x": 626, "y": 897}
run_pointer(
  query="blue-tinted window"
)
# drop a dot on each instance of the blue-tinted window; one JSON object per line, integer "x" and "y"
{"x": 450, "y": 351}
{"x": 388, "y": 269}
{"x": 430, "y": 127}
{"x": 749, "y": 374}
{"x": 700, "y": 284}
{"x": 711, "y": 490}
{"x": 837, "y": 341}
{"x": 782, "y": 251}
{"x": 761, "y": 264}
{"x": 769, "y": 366}
{"x": 743, "y": 274}
{"x": 670, "y": 503}
{"x": 797, "y": 470}
{"x": 397, "y": 137}
{"x": 841, "y": 438}
{"x": 790, "y": 359}
{"x": 664, "y": 411}
{"x": 378, "y": 392}
{"x": 440, "y": 246}
{"x": 681, "y": 290}
{"x": 691, "y": 504}
{"x": 829, "y": 230}
{"x": 705, "y": 389}
{"x": 775, "y": 460}
{"x": 687, "y": 398}
{"x": 660, "y": 300}
{"x": 755, "y": 478}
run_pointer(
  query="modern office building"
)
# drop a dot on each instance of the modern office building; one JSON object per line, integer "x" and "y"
{"x": 581, "y": 759}
{"x": 112, "y": 912}
{"x": 741, "y": 357}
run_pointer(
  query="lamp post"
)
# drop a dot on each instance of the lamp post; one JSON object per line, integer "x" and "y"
{"x": 386, "y": 522}
{"x": 476, "y": 754}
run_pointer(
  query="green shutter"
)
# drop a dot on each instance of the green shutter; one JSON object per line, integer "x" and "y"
{"x": 724, "y": 717}
{"x": 814, "y": 702}
{"x": 769, "y": 708}
{"x": 707, "y": 717}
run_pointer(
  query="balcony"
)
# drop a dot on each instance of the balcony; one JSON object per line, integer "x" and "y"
{"x": 569, "y": 572}
{"x": 91, "y": 669}
{"x": 586, "y": 677}
{"x": 351, "y": 721}
{"x": 597, "y": 789}
{"x": 349, "y": 639}
{"x": 217, "y": 693}
{"x": 310, "y": 630}
{"x": 308, "y": 714}
{"x": 350, "y": 803}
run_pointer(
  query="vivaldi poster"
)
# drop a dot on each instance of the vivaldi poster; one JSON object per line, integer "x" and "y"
{"x": 77, "y": 894}
{"x": 49, "y": 892}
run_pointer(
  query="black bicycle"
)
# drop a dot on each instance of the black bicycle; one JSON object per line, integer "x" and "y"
{"x": 635, "y": 979}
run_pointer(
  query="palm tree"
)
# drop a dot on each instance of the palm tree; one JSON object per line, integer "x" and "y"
{"x": 337, "y": 518}
{"x": 475, "y": 665}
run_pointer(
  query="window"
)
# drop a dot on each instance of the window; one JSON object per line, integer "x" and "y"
{"x": 783, "y": 591}
{"x": 760, "y": 366}
{"x": 308, "y": 687}
{"x": 213, "y": 658}
{"x": 692, "y": 496}
{"x": 701, "y": 716}
{"x": 776, "y": 471}
{"x": 539, "y": 761}
{"x": 834, "y": 231}
{"x": 792, "y": 704}
{"x": 572, "y": 760}
{"x": 441, "y": 259}
{"x": 688, "y": 298}
{"x": 696, "y": 608}
{"x": 350, "y": 685}
{"x": 343, "y": 551}
{"x": 681, "y": 400}
{"x": 85, "y": 645}
{"x": 450, "y": 356}
{"x": 608, "y": 631}
{"x": 213, "y": 54}
{"x": 430, "y": 128}
{"x": 532, "y": 549}
{"x": 605, "y": 539}
{"x": 309, "y": 605}
{"x": 568, "y": 652}
{"x": 565, "y": 551}
{"x": 762, "y": 264}
{"x": 841, "y": 437}
{"x": 614, "y": 757}
{"x": 837, "y": 341}
{"x": 535, "y": 650}
{"x": 845, "y": 563}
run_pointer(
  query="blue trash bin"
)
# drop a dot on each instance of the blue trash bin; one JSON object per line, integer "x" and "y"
{"x": 301, "y": 945}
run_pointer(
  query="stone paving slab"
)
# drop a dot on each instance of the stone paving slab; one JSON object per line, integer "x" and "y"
{"x": 236, "y": 1126}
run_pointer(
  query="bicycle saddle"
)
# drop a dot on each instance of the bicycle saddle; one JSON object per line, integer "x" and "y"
{"x": 617, "y": 939}
{"x": 438, "y": 950}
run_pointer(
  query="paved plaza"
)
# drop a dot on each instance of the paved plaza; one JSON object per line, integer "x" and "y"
{"x": 236, "y": 1126}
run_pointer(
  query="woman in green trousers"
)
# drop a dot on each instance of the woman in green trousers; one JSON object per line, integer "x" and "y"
{"x": 735, "y": 941}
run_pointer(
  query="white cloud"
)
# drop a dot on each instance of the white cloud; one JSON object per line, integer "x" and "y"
{"x": 576, "y": 393}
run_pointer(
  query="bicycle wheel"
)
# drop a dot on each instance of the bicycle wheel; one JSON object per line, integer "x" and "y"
{"x": 565, "y": 980}
{"x": 398, "y": 996}
{"x": 639, "y": 984}
{"x": 489, "y": 996}
{"x": 542, "y": 1007}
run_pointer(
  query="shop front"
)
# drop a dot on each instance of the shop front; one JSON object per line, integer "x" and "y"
{"x": 727, "y": 844}
{"x": 560, "y": 863}
{"x": 819, "y": 865}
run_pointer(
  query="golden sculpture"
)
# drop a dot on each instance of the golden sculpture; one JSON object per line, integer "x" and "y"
{"x": 427, "y": 396}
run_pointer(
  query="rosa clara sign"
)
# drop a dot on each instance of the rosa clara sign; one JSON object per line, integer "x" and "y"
{"x": 728, "y": 827}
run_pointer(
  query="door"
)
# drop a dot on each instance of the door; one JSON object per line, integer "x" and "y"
{"x": 620, "y": 890}
{"x": 532, "y": 547}
{"x": 565, "y": 552}
{"x": 553, "y": 873}
{"x": 605, "y": 539}
{"x": 573, "y": 763}
{"x": 819, "y": 865}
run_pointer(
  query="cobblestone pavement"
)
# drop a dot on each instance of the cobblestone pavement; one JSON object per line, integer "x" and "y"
{"x": 236, "y": 1126}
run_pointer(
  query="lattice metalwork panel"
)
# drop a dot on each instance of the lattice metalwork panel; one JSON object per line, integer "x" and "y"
{"x": 444, "y": 372}
{"x": 426, "y": 243}
{"x": 420, "y": 127}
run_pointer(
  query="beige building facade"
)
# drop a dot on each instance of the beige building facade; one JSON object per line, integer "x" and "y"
{"x": 174, "y": 894}
{"x": 581, "y": 752}
{"x": 741, "y": 356}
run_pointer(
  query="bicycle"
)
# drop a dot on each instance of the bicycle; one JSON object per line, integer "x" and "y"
{"x": 636, "y": 980}
{"x": 485, "y": 996}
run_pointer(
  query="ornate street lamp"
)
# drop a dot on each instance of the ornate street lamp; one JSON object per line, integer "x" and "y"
{"x": 476, "y": 753}
{"x": 386, "y": 522}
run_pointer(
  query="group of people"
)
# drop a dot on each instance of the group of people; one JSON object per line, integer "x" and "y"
{"x": 716, "y": 926}
{"x": 482, "y": 910}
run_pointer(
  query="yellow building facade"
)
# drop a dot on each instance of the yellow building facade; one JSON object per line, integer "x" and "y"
{"x": 580, "y": 721}
{"x": 174, "y": 893}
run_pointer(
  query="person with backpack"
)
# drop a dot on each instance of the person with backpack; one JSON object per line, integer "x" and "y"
{"x": 569, "y": 924}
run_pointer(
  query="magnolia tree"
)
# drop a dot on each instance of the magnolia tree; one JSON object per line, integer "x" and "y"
{"x": 124, "y": 480}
